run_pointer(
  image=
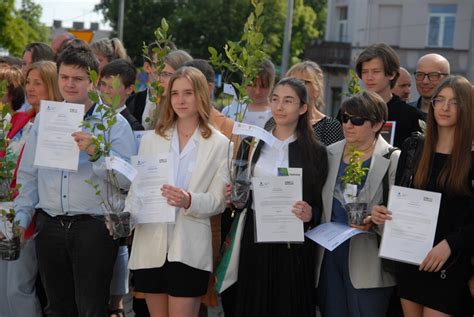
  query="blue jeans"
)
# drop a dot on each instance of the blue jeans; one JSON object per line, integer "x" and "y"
{"x": 76, "y": 257}
{"x": 337, "y": 295}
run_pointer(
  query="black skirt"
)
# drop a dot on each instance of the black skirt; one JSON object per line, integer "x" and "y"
{"x": 173, "y": 278}
{"x": 275, "y": 279}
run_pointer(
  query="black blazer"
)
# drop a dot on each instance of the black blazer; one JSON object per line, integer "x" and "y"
{"x": 134, "y": 123}
{"x": 314, "y": 173}
{"x": 136, "y": 104}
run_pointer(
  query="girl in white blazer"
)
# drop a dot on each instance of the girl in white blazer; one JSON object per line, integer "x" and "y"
{"x": 172, "y": 262}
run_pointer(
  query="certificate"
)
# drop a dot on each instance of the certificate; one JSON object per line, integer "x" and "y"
{"x": 409, "y": 236}
{"x": 332, "y": 234}
{"x": 55, "y": 147}
{"x": 153, "y": 173}
{"x": 274, "y": 198}
{"x": 254, "y": 131}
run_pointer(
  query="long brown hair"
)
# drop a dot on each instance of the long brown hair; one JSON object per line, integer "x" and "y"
{"x": 203, "y": 102}
{"x": 455, "y": 173}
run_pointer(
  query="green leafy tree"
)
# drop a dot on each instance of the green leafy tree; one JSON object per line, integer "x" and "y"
{"x": 142, "y": 18}
{"x": 197, "y": 25}
{"x": 20, "y": 27}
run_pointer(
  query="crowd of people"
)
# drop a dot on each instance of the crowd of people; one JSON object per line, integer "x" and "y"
{"x": 70, "y": 265}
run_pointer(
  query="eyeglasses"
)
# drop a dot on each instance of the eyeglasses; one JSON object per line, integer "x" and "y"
{"x": 433, "y": 76}
{"x": 355, "y": 120}
{"x": 165, "y": 75}
{"x": 288, "y": 101}
{"x": 441, "y": 102}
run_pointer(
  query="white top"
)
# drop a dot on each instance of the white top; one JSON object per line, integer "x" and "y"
{"x": 271, "y": 158}
{"x": 183, "y": 166}
{"x": 150, "y": 107}
{"x": 258, "y": 118}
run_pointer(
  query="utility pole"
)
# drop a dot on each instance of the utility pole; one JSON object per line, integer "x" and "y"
{"x": 120, "y": 19}
{"x": 470, "y": 53}
{"x": 287, "y": 37}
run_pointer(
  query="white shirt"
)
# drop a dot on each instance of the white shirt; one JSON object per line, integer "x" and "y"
{"x": 183, "y": 165}
{"x": 258, "y": 118}
{"x": 271, "y": 158}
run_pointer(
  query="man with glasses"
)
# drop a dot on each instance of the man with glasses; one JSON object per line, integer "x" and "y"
{"x": 378, "y": 67}
{"x": 430, "y": 70}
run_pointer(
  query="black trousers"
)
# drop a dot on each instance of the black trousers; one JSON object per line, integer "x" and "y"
{"x": 76, "y": 256}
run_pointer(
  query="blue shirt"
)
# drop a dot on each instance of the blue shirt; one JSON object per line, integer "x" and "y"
{"x": 60, "y": 192}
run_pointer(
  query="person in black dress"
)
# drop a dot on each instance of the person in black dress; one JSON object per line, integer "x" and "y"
{"x": 277, "y": 279}
{"x": 439, "y": 286}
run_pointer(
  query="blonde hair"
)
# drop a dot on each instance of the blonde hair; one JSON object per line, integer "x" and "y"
{"x": 314, "y": 72}
{"x": 111, "y": 48}
{"x": 49, "y": 74}
{"x": 203, "y": 102}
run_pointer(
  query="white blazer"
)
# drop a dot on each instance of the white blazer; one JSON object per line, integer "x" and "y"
{"x": 365, "y": 267}
{"x": 191, "y": 239}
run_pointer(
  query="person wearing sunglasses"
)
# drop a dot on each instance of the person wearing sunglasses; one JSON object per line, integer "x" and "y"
{"x": 350, "y": 278}
{"x": 431, "y": 69}
{"x": 439, "y": 286}
{"x": 378, "y": 67}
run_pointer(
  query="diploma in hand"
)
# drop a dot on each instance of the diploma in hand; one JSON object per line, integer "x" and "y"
{"x": 409, "y": 236}
{"x": 274, "y": 198}
{"x": 55, "y": 147}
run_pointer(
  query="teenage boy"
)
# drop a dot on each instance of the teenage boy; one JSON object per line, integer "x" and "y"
{"x": 378, "y": 67}
{"x": 75, "y": 252}
{"x": 126, "y": 73}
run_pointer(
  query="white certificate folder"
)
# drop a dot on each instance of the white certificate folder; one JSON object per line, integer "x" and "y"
{"x": 409, "y": 236}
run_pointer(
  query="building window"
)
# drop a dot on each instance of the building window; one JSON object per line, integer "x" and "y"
{"x": 342, "y": 24}
{"x": 441, "y": 25}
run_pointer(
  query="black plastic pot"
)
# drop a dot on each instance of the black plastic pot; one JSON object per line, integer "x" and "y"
{"x": 10, "y": 249}
{"x": 118, "y": 224}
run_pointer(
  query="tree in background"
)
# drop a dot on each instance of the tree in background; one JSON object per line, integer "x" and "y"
{"x": 197, "y": 25}
{"x": 18, "y": 27}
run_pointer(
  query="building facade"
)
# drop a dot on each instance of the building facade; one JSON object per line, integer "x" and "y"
{"x": 412, "y": 27}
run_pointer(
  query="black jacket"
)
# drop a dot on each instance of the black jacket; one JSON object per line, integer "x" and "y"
{"x": 136, "y": 104}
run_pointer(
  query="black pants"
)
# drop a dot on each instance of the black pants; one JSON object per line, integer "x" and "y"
{"x": 76, "y": 257}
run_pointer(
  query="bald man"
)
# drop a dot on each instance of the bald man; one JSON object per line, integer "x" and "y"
{"x": 430, "y": 71}
{"x": 59, "y": 39}
{"x": 403, "y": 85}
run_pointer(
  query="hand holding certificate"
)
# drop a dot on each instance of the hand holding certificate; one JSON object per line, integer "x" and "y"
{"x": 274, "y": 199}
{"x": 409, "y": 236}
{"x": 153, "y": 173}
{"x": 55, "y": 146}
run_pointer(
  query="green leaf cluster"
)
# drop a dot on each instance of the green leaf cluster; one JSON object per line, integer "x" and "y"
{"x": 157, "y": 61}
{"x": 101, "y": 124}
{"x": 244, "y": 57}
{"x": 354, "y": 171}
{"x": 353, "y": 86}
{"x": 18, "y": 27}
{"x": 8, "y": 163}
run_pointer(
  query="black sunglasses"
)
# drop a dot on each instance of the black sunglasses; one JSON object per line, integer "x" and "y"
{"x": 355, "y": 120}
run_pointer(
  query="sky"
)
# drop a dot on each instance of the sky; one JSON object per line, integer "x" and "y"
{"x": 69, "y": 11}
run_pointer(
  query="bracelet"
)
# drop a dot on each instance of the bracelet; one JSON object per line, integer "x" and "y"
{"x": 190, "y": 200}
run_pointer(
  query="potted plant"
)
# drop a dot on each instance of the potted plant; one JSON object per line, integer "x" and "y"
{"x": 101, "y": 123}
{"x": 9, "y": 228}
{"x": 351, "y": 195}
{"x": 245, "y": 58}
